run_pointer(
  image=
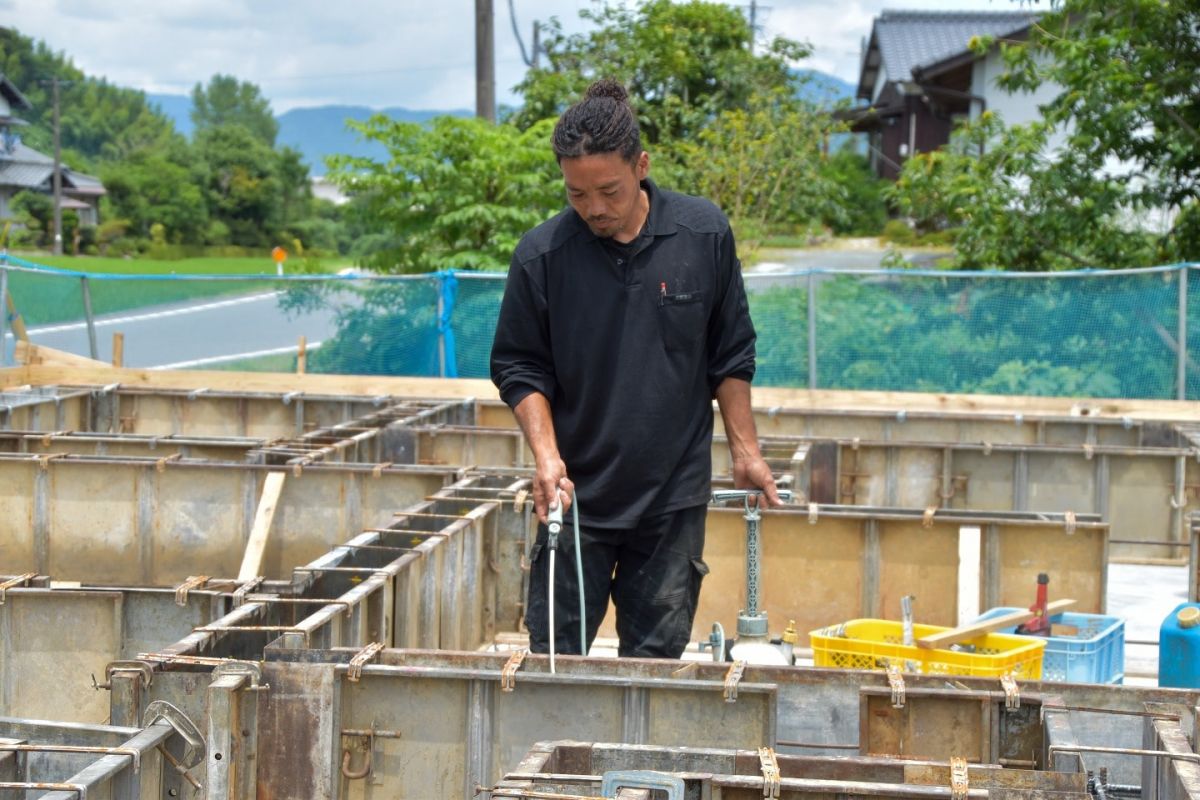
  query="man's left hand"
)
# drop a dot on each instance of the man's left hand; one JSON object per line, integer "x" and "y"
{"x": 754, "y": 473}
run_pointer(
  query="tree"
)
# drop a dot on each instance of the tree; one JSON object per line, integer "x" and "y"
{"x": 458, "y": 193}
{"x": 1014, "y": 207}
{"x": 228, "y": 101}
{"x": 243, "y": 188}
{"x": 762, "y": 164}
{"x": 1128, "y": 115}
{"x": 683, "y": 64}
{"x": 157, "y": 186}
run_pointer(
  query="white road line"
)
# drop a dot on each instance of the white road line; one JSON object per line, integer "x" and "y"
{"x": 175, "y": 312}
{"x": 196, "y": 362}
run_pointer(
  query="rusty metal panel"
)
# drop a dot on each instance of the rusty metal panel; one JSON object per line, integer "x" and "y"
{"x": 299, "y": 740}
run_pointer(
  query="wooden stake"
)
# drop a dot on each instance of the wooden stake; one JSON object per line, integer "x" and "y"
{"x": 302, "y": 356}
{"x": 257, "y": 544}
{"x": 118, "y": 350}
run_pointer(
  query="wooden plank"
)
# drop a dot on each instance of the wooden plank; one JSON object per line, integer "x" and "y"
{"x": 955, "y": 635}
{"x": 257, "y": 545}
{"x": 18, "y": 324}
{"x": 38, "y": 355}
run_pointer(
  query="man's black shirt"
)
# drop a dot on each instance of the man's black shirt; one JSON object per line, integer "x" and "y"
{"x": 629, "y": 346}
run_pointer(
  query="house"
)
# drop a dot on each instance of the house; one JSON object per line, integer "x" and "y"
{"x": 23, "y": 168}
{"x": 919, "y": 78}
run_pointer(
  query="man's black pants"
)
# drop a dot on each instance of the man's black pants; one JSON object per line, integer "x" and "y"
{"x": 652, "y": 572}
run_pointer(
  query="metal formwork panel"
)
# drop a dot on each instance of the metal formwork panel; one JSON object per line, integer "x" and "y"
{"x": 450, "y": 727}
{"x": 54, "y": 641}
{"x": 836, "y": 563}
{"x": 130, "y": 522}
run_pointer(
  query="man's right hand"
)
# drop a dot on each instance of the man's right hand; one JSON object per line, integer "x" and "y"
{"x": 551, "y": 486}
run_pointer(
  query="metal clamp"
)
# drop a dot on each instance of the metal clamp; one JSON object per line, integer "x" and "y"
{"x": 927, "y": 517}
{"x": 1069, "y": 521}
{"x": 13, "y": 583}
{"x": 770, "y": 772}
{"x": 247, "y": 669}
{"x": 616, "y": 780}
{"x": 896, "y": 681}
{"x": 732, "y": 678}
{"x": 814, "y": 513}
{"x": 239, "y": 594}
{"x": 959, "y": 784}
{"x": 193, "y": 752}
{"x": 140, "y": 667}
{"x": 508, "y": 673}
{"x": 193, "y": 582}
{"x": 1012, "y": 695}
{"x": 354, "y": 671}
{"x": 161, "y": 464}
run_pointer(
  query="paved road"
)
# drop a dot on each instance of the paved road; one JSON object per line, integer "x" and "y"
{"x": 193, "y": 334}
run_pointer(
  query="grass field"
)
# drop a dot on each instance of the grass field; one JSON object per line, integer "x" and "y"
{"x": 42, "y": 299}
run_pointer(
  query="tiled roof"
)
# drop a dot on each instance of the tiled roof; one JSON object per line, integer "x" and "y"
{"x": 30, "y": 169}
{"x": 911, "y": 39}
{"x": 24, "y": 175}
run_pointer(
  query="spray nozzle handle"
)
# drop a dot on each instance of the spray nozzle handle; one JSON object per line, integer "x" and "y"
{"x": 554, "y": 518}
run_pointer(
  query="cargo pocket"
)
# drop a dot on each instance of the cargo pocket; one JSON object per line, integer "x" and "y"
{"x": 682, "y": 321}
{"x": 685, "y": 615}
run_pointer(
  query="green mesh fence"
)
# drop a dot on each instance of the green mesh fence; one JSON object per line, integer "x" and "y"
{"x": 1084, "y": 334}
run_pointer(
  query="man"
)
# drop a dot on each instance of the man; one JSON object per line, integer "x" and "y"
{"x": 623, "y": 317}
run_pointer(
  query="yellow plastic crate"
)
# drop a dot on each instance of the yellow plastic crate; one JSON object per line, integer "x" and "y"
{"x": 876, "y": 643}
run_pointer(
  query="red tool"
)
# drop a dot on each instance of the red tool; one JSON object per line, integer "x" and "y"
{"x": 1040, "y": 624}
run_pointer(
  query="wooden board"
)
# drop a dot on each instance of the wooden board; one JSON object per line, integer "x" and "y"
{"x": 257, "y": 545}
{"x": 955, "y": 635}
{"x": 34, "y": 354}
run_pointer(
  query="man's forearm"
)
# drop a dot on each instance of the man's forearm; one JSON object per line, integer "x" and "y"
{"x": 733, "y": 398}
{"x": 537, "y": 423}
{"x": 550, "y": 481}
{"x": 750, "y": 470}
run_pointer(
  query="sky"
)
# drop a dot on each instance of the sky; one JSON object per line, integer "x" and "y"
{"x": 380, "y": 53}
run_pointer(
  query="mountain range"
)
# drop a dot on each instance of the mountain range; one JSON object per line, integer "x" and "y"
{"x": 320, "y": 131}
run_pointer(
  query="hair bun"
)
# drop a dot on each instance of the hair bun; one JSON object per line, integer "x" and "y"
{"x": 608, "y": 88}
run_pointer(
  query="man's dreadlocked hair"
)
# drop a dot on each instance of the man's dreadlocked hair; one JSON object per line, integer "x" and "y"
{"x": 602, "y": 122}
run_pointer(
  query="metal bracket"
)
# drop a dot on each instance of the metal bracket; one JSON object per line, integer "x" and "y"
{"x": 193, "y": 753}
{"x": 1069, "y": 522}
{"x": 732, "y": 678}
{"x": 896, "y": 681}
{"x": 770, "y": 772}
{"x": 927, "y": 517}
{"x": 616, "y": 780}
{"x": 354, "y": 672}
{"x": 814, "y": 513}
{"x": 508, "y": 673}
{"x": 959, "y": 785}
{"x": 1012, "y": 695}
{"x": 239, "y": 594}
{"x": 12, "y": 583}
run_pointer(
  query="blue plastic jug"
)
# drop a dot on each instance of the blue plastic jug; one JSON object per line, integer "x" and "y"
{"x": 1179, "y": 648}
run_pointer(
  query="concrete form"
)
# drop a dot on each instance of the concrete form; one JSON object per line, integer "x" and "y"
{"x": 359, "y": 657}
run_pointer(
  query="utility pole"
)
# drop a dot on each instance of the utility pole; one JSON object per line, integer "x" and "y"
{"x": 58, "y": 243}
{"x": 753, "y": 23}
{"x": 485, "y": 61}
{"x": 537, "y": 44}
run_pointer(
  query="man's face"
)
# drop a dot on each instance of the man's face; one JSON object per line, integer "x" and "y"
{"x": 605, "y": 190}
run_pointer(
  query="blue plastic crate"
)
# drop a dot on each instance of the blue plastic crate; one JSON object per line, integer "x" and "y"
{"x": 1095, "y": 655}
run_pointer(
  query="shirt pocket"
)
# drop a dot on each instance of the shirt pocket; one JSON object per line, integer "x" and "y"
{"x": 682, "y": 321}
